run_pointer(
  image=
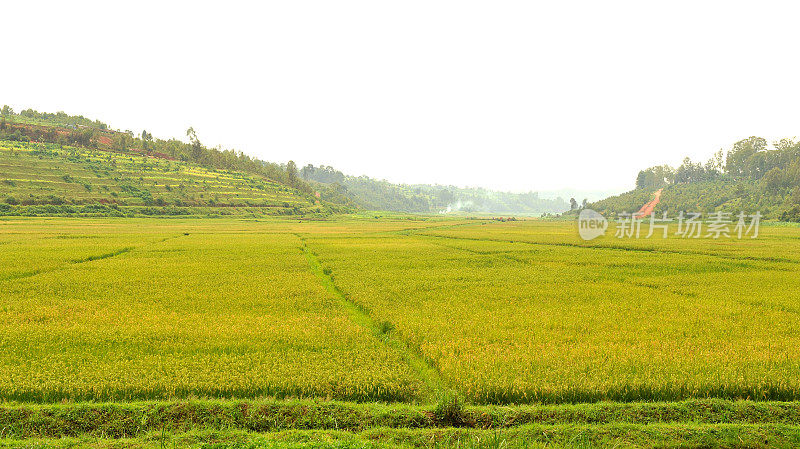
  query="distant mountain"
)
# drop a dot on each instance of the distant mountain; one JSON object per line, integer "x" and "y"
{"x": 375, "y": 194}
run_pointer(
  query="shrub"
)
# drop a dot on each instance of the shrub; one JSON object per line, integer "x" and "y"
{"x": 450, "y": 410}
{"x": 385, "y": 327}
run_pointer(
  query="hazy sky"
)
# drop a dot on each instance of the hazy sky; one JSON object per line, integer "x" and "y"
{"x": 507, "y": 95}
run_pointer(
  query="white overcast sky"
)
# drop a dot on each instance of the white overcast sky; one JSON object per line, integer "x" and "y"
{"x": 507, "y": 95}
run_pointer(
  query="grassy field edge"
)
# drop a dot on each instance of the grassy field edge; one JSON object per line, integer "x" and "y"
{"x": 127, "y": 420}
{"x": 617, "y": 435}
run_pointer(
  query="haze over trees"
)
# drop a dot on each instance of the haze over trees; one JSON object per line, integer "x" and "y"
{"x": 376, "y": 194}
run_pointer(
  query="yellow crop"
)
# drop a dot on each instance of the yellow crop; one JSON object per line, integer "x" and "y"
{"x": 503, "y": 312}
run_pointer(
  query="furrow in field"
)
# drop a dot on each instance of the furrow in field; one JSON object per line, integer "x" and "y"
{"x": 617, "y": 248}
{"x": 383, "y": 331}
{"x": 528, "y": 262}
{"x": 91, "y": 258}
{"x": 655, "y": 287}
{"x": 409, "y": 231}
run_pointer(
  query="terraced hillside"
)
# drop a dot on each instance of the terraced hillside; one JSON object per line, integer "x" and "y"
{"x": 50, "y": 179}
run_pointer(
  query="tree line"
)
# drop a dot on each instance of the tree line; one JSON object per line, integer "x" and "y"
{"x": 376, "y": 194}
{"x": 63, "y": 129}
{"x": 752, "y": 175}
{"x": 748, "y": 159}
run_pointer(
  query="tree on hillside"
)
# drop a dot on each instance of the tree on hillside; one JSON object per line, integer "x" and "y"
{"x": 6, "y": 110}
{"x": 573, "y": 204}
{"x": 291, "y": 171}
{"x": 325, "y": 174}
{"x": 717, "y": 162}
{"x": 307, "y": 171}
{"x": 690, "y": 172}
{"x": 147, "y": 139}
{"x": 746, "y": 158}
{"x": 196, "y": 146}
{"x": 655, "y": 177}
{"x": 121, "y": 142}
{"x": 641, "y": 179}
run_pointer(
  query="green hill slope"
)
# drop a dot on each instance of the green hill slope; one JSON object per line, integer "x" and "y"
{"x": 49, "y": 179}
{"x": 750, "y": 177}
{"x": 54, "y": 162}
{"x": 57, "y": 164}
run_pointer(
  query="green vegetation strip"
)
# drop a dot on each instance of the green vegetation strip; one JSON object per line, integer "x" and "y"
{"x": 384, "y": 331}
{"x": 529, "y": 437}
{"x": 126, "y": 420}
{"x": 72, "y": 262}
{"x": 90, "y": 258}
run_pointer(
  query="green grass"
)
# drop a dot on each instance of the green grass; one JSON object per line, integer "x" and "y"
{"x": 131, "y": 419}
{"x": 523, "y": 437}
{"x": 697, "y": 423}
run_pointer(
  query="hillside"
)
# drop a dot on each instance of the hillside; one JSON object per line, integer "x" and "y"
{"x": 751, "y": 176}
{"x": 59, "y": 159}
{"x": 47, "y": 179}
{"x": 57, "y": 164}
{"x": 370, "y": 193}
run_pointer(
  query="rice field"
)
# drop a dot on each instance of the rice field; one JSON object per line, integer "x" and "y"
{"x": 394, "y": 309}
{"x": 177, "y": 311}
{"x": 525, "y": 312}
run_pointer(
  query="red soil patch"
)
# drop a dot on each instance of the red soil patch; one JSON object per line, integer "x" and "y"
{"x": 648, "y": 208}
